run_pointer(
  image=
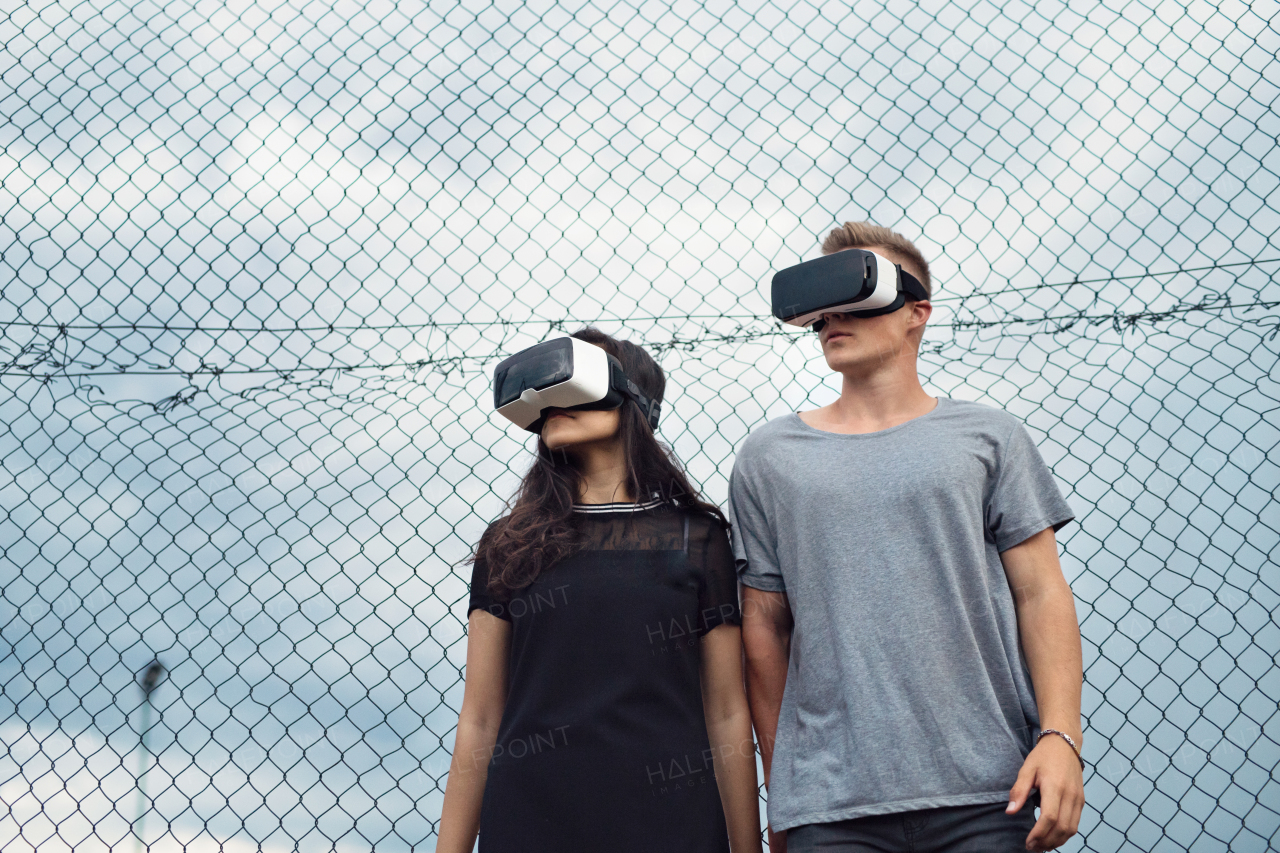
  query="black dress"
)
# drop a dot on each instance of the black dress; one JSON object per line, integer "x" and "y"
{"x": 603, "y": 743}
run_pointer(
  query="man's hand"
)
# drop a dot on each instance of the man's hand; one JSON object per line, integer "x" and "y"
{"x": 1053, "y": 768}
{"x": 1050, "y": 638}
{"x": 777, "y": 841}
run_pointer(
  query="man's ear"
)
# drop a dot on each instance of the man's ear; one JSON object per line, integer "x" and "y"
{"x": 918, "y": 317}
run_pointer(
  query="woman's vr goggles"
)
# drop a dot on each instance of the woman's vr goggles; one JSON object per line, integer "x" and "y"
{"x": 853, "y": 281}
{"x": 564, "y": 373}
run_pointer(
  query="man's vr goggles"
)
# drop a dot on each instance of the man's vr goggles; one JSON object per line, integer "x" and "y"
{"x": 564, "y": 373}
{"x": 853, "y": 281}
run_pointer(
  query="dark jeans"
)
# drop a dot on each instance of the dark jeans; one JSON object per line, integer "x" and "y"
{"x": 952, "y": 829}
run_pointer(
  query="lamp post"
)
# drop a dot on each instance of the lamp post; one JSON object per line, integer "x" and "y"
{"x": 147, "y": 680}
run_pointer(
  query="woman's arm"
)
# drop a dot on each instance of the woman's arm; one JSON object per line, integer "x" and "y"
{"x": 483, "y": 698}
{"x": 724, "y": 701}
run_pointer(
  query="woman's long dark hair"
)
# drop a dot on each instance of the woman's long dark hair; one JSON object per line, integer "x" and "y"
{"x": 540, "y": 529}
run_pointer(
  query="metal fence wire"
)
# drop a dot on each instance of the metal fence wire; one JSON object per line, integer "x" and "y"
{"x": 259, "y": 257}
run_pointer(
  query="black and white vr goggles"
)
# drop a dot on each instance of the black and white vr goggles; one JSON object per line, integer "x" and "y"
{"x": 853, "y": 281}
{"x": 564, "y": 373}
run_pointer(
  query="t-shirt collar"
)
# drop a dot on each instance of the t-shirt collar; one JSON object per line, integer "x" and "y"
{"x": 617, "y": 506}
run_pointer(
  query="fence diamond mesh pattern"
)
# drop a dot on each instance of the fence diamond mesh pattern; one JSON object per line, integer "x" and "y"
{"x": 258, "y": 258}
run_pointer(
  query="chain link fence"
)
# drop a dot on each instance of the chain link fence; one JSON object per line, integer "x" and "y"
{"x": 259, "y": 257}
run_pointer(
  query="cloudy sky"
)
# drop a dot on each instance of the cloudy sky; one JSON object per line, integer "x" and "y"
{"x": 257, "y": 259}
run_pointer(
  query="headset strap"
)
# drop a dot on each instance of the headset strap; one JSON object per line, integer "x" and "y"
{"x": 650, "y": 408}
{"x": 911, "y": 285}
{"x": 622, "y": 383}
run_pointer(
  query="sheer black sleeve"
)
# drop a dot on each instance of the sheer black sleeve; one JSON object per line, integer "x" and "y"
{"x": 718, "y": 592}
{"x": 480, "y": 595}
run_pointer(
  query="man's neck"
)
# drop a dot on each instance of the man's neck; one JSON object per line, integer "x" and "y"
{"x": 873, "y": 402}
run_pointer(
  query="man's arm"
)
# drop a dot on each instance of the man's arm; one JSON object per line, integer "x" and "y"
{"x": 1050, "y": 636}
{"x": 766, "y": 639}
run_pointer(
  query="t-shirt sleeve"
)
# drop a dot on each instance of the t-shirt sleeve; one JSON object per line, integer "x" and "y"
{"x": 718, "y": 596}
{"x": 480, "y": 595}
{"x": 754, "y": 553}
{"x": 1024, "y": 498}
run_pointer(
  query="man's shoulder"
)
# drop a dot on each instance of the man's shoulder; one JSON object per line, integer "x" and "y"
{"x": 981, "y": 416}
{"x": 767, "y": 435}
{"x": 765, "y": 448}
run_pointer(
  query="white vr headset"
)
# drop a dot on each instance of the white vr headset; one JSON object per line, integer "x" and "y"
{"x": 563, "y": 373}
{"x": 854, "y": 281}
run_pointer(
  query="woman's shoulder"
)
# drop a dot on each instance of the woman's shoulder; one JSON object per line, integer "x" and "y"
{"x": 490, "y": 533}
{"x": 703, "y": 516}
{"x": 494, "y": 527}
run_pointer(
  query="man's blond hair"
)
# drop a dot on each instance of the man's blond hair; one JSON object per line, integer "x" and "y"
{"x": 865, "y": 235}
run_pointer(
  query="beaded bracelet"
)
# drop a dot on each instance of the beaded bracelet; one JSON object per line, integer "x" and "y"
{"x": 1068, "y": 739}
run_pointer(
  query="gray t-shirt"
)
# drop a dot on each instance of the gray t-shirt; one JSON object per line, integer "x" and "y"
{"x": 906, "y": 687}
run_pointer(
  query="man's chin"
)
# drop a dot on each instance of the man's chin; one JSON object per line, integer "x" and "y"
{"x": 841, "y": 359}
{"x": 842, "y": 354}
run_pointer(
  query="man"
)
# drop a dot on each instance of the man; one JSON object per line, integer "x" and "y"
{"x": 913, "y": 655}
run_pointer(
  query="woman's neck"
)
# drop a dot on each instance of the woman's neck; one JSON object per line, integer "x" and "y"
{"x": 603, "y": 469}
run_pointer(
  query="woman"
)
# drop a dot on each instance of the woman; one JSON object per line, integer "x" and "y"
{"x": 604, "y": 707}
